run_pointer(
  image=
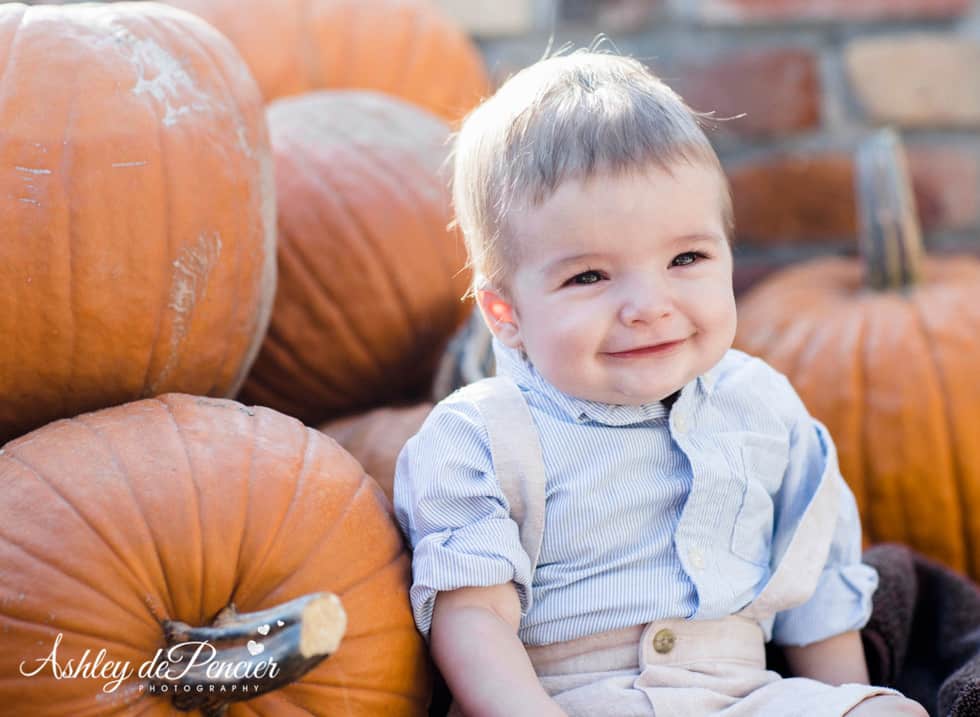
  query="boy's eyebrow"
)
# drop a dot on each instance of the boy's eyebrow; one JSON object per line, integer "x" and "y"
{"x": 555, "y": 266}
{"x": 706, "y": 236}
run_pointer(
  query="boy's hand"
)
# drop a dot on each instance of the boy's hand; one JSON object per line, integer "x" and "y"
{"x": 475, "y": 645}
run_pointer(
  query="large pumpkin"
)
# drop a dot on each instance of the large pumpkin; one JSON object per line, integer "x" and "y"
{"x": 886, "y": 353}
{"x": 165, "y": 509}
{"x": 406, "y": 48}
{"x": 376, "y": 438}
{"x": 138, "y": 210}
{"x": 369, "y": 275}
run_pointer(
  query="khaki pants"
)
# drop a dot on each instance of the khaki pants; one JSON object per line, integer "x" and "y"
{"x": 682, "y": 668}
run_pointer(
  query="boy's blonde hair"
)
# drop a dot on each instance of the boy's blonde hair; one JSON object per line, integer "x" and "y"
{"x": 566, "y": 117}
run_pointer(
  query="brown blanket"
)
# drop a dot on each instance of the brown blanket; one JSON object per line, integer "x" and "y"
{"x": 923, "y": 637}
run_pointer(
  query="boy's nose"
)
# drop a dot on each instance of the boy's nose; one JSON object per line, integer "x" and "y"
{"x": 645, "y": 303}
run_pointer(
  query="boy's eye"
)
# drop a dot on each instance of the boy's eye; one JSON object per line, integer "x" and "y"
{"x": 586, "y": 277}
{"x": 688, "y": 257}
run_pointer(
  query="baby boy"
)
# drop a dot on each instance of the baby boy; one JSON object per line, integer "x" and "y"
{"x": 692, "y": 509}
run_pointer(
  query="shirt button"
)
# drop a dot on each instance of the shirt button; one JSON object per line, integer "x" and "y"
{"x": 697, "y": 558}
{"x": 680, "y": 423}
{"x": 663, "y": 641}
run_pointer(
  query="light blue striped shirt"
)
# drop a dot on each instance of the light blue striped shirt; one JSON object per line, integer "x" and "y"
{"x": 650, "y": 512}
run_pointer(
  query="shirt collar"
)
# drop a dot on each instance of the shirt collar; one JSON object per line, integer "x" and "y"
{"x": 513, "y": 363}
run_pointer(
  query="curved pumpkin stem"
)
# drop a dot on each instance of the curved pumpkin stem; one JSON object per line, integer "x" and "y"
{"x": 890, "y": 238}
{"x": 241, "y": 656}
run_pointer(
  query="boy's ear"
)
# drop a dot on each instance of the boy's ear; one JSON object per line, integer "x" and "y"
{"x": 500, "y": 316}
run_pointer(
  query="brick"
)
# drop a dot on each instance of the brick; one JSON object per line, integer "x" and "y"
{"x": 947, "y": 186}
{"x": 750, "y": 271}
{"x": 617, "y": 16}
{"x": 491, "y": 17}
{"x": 811, "y": 198}
{"x": 786, "y": 200}
{"x": 969, "y": 246}
{"x": 508, "y": 64}
{"x": 778, "y": 90}
{"x": 789, "y": 11}
{"x": 917, "y": 80}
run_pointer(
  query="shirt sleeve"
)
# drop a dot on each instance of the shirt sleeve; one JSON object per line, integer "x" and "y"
{"x": 842, "y": 599}
{"x": 452, "y": 512}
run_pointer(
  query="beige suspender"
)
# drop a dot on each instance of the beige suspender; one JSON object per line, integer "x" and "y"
{"x": 806, "y": 553}
{"x": 516, "y": 453}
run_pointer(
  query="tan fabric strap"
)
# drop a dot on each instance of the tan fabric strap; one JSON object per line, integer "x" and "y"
{"x": 798, "y": 570}
{"x": 516, "y": 453}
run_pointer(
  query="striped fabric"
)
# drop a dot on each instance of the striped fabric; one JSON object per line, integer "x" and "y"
{"x": 651, "y": 513}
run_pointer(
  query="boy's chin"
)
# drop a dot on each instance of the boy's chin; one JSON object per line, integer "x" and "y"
{"x": 644, "y": 390}
{"x": 637, "y": 398}
{"x": 646, "y": 400}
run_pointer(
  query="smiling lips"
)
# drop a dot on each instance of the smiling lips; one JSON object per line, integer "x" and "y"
{"x": 647, "y": 350}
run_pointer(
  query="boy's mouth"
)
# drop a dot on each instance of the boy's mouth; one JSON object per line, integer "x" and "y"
{"x": 647, "y": 350}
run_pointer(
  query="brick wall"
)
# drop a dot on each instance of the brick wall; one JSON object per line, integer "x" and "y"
{"x": 811, "y": 78}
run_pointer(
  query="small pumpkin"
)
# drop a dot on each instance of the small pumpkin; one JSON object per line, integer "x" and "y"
{"x": 407, "y": 48}
{"x": 376, "y": 438}
{"x": 369, "y": 274}
{"x": 885, "y": 352}
{"x": 159, "y": 515}
{"x": 138, "y": 210}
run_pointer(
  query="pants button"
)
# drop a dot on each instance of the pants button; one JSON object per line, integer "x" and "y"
{"x": 663, "y": 641}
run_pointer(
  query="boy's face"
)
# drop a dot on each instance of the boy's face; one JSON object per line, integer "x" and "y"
{"x": 623, "y": 292}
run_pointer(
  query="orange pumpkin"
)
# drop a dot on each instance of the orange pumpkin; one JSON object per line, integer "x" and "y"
{"x": 885, "y": 353}
{"x": 406, "y": 48}
{"x": 369, "y": 275}
{"x": 138, "y": 210}
{"x": 173, "y": 508}
{"x": 376, "y": 438}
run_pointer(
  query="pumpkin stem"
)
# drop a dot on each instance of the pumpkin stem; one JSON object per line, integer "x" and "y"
{"x": 243, "y": 655}
{"x": 890, "y": 237}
